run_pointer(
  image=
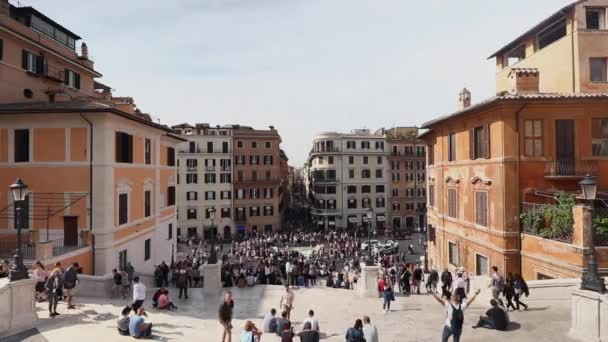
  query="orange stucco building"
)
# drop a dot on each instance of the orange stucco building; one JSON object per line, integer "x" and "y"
{"x": 546, "y": 129}
{"x": 101, "y": 174}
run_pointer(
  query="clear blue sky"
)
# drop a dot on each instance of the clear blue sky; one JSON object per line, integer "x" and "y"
{"x": 304, "y": 66}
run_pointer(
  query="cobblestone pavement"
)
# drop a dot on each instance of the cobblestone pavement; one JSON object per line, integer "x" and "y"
{"x": 415, "y": 318}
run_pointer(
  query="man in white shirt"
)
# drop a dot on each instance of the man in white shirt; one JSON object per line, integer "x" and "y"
{"x": 139, "y": 294}
{"x": 369, "y": 331}
{"x": 314, "y": 322}
{"x": 454, "y": 312}
{"x": 288, "y": 271}
{"x": 269, "y": 325}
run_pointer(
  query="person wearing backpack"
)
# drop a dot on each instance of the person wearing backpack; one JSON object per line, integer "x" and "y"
{"x": 454, "y": 312}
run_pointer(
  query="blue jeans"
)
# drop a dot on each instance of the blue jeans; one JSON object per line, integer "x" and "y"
{"x": 447, "y": 332}
{"x": 486, "y": 323}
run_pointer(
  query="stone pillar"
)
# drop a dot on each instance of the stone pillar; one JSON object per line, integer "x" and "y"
{"x": 367, "y": 286}
{"x": 44, "y": 250}
{"x": 589, "y": 316}
{"x": 581, "y": 226}
{"x": 18, "y": 311}
{"x": 212, "y": 274}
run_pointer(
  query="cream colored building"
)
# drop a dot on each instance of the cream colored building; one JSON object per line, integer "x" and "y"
{"x": 568, "y": 50}
{"x": 348, "y": 177}
{"x": 205, "y": 180}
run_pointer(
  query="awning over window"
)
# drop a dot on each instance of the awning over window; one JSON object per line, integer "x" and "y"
{"x": 331, "y": 223}
{"x": 352, "y": 219}
{"x": 365, "y": 219}
{"x": 380, "y": 218}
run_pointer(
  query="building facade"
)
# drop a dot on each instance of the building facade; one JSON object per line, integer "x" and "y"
{"x": 205, "y": 181}
{"x": 257, "y": 180}
{"x": 95, "y": 165}
{"x": 407, "y": 179}
{"x": 348, "y": 180}
{"x": 489, "y": 163}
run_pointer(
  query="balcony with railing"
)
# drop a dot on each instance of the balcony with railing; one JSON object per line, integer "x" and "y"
{"x": 332, "y": 149}
{"x": 61, "y": 247}
{"x": 575, "y": 169}
{"x": 191, "y": 168}
{"x": 209, "y": 168}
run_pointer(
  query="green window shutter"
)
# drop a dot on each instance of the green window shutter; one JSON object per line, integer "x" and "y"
{"x": 24, "y": 55}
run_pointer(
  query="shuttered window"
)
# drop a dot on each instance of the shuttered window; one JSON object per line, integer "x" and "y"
{"x": 452, "y": 203}
{"x": 452, "y": 146}
{"x": 170, "y": 196}
{"x": 170, "y": 156}
{"x": 533, "y": 138}
{"x": 431, "y": 195}
{"x": 22, "y": 145}
{"x": 431, "y": 154}
{"x": 481, "y": 208}
{"x": 148, "y": 151}
{"x": 33, "y": 63}
{"x": 71, "y": 79}
{"x": 1, "y": 49}
{"x": 147, "y": 249}
{"x": 123, "y": 209}
{"x": 453, "y": 253}
{"x": 479, "y": 142}
{"x": 147, "y": 203}
{"x": 124, "y": 148}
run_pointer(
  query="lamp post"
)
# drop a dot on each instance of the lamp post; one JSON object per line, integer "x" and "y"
{"x": 19, "y": 191}
{"x": 591, "y": 280}
{"x": 369, "y": 261}
{"x": 212, "y": 255}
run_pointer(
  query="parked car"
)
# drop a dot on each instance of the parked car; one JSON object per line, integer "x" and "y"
{"x": 366, "y": 244}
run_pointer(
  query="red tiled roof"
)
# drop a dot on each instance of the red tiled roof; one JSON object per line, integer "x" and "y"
{"x": 516, "y": 97}
{"x": 76, "y": 106}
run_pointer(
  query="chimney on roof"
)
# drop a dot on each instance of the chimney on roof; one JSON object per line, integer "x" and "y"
{"x": 84, "y": 50}
{"x": 524, "y": 80}
{"x": 4, "y": 8}
{"x": 464, "y": 99}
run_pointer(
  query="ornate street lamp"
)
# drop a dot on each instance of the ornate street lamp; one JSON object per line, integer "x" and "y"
{"x": 370, "y": 260}
{"x": 212, "y": 255}
{"x": 19, "y": 191}
{"x": 591, "y": 280}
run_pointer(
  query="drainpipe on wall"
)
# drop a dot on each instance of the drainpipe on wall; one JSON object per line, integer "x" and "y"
{"x": 573, "y": 61}
{"x": 91, "y": 191}
{"x": 517, "y": 159}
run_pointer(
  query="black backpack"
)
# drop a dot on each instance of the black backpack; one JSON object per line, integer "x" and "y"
{"x": 457, "y": 318}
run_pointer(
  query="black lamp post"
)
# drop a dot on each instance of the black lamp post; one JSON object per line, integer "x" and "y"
{"x": 591, "y": 279}
{"x": 370, "y": 260}
{"x": 19, "y": 191}
{"x": 212, "y": 255}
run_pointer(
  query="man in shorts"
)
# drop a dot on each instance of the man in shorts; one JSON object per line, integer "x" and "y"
{"x": 287, "y": 301}
{"x": 225, "y": 316}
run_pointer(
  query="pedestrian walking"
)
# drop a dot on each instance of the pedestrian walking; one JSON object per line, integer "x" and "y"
{"x": 370, "y": 332}
{"x": 497, "y": 284}
{"x": 70, "y": 279}
{"x": 520, "y": 289}
{"x": 182, "y": 282}
{"x": 139, "y": 294}
{"x": 446, "y": 284}
{"x": 389, "y": 296}
{"x": 52, "y": 285}
{"x": 287, "y": 301}
{"x": 508, "y": 291}
{"x": 225, "y": 316}
{"x": 355, "y": 334}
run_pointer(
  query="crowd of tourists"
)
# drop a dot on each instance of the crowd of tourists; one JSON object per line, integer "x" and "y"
{"x": 56, "y": 285}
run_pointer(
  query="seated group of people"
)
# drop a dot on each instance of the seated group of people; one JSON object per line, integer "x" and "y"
{"x": 283, "y": 327}
{"x": 161, "y": 300}
{"x": 134, "y": 325}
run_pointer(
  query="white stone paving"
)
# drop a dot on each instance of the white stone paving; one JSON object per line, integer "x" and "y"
{"x": 415, "y": 318}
